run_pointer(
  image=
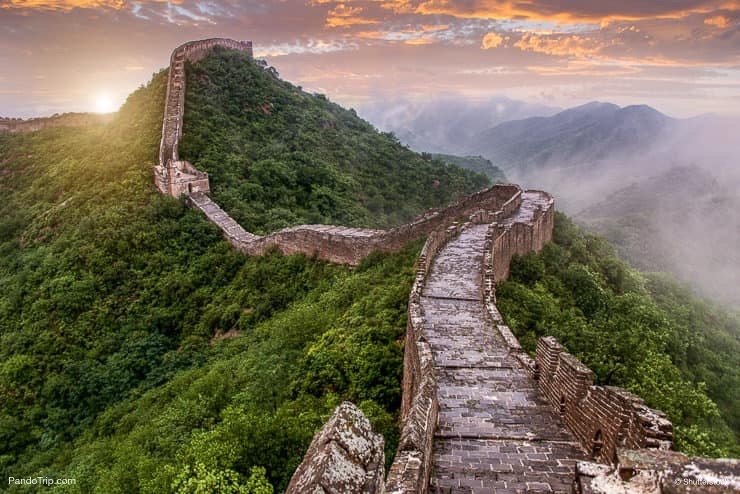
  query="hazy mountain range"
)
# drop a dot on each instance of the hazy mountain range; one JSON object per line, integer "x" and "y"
{"x": 665, "y": 191}
{"x": 448, "y": 124}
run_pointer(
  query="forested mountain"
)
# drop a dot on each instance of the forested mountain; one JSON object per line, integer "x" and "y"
{"x": 113, "y": 296}
{"x": 576, "y": 137}
{"x": 474, "y": 163}
{"x": 663, "y": 190}
{"x": 645, "y": 332}
{"x": 140, "y": 353}
{"x": 447, "y": 124}
{"x": 278, "y": 156}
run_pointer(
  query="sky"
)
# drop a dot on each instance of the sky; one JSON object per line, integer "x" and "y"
{"x": 679, "y": 56}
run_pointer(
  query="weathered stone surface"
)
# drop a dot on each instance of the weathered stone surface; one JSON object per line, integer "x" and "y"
{"x": 344, "y": 457}
{"x": 495, "y": 433}
{"x": 649, "y": 471}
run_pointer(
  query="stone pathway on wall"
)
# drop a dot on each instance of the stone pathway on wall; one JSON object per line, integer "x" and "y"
{"x": 495, "y": 434}
{"x": 531, "y": 201}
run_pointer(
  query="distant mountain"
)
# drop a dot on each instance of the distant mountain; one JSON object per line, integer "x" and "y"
{"x": 663, "y": 190}
{"x": 683, "y": 220}
{"x": 447, "y": 124}
{"x": 575, "y": 137}
{"x": 475, "y": 163}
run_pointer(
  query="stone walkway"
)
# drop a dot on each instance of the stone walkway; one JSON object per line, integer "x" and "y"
{"x": 495, "y": 434}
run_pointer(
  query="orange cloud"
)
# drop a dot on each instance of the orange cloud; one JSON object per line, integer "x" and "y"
{"x": 436, "y": 27}
{"x": 491, "y": 40}
{"x": 346, "y": 16}
{"x": 570, "y": 45}
{"x": 419, "y": 41}
{"x": 559, "y": 11}
{"x": 67, "y": 5}
{"x": 718, "y": 21}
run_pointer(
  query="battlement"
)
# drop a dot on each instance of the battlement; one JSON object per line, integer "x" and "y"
{"x": 603, "y": 418}
{"x": 173, "y": 176}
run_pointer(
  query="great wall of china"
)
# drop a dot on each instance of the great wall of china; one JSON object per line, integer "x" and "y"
{"x": 479, "y": 415}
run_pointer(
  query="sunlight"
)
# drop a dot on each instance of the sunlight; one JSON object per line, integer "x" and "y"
{"x": 104, "y": 104}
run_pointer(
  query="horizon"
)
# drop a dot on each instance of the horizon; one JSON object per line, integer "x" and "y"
{"x": 89, "y": 55}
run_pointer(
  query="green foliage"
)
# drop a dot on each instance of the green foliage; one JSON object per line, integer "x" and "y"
{"x": 277, "y": 156}
{"x": 474, "y": 163}
{"x": 644, "y": 332}
{"x": 112, "y": 295}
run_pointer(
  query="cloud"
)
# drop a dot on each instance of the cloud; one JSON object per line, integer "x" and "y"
{"x": 346, "y": 16}
{"x": 560, "y": 45}
{"x": 718, "y": 21}
{"x": 561, "y": 10}
{"x": 67, "y": 5}
{"x": 492, "y": 40}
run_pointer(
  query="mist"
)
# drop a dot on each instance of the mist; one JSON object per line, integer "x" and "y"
{"x": 674, "y": 206}
{"x": 448, "y": 123}
{"x": 664, "y": 191}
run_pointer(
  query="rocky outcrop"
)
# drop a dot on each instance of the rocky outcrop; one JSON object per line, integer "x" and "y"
{"x": 344, "y": 457}
{"x": 647, "y": 471}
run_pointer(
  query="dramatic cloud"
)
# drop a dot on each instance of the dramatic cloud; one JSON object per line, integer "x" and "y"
{"x": 681, "y": 55}
{"x": 66, "y": 5}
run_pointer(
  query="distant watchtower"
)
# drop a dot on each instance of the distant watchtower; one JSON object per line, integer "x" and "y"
{"x": 174, "y": 176}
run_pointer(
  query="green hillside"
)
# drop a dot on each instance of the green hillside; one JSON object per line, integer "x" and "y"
{"x": 643, "y": 332}
{"x": 278, "y": 156}
{"x": 112, "y": 293}
{"x": 474, "y": 163}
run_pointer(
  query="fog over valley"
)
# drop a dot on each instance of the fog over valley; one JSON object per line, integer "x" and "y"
{"x": 665, "y": 191}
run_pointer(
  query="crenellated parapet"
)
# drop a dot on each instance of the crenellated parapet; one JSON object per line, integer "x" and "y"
{"x": 603, "y": 418}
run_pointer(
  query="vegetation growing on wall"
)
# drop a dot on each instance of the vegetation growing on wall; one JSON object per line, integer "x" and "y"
{"x": 643, "y": 332}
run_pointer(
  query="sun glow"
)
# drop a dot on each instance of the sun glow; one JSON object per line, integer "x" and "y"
{"x": 104, "y": 104}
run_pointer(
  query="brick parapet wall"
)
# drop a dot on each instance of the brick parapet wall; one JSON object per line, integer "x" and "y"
{"x": 411, "y": 468}
{"x": 335, "y": 244}
{"x": 603, "y": 418}
{"x": 174, "y": 176}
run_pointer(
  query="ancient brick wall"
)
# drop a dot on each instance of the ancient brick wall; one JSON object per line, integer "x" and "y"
{"x": 412, "y": 464}
{"x": 332, "y": 243}
{"x": 649, "y": 471}
{"x": 174, "y": 176}
{"x": 603, "y": 418}
{"x": 526, "y": 231}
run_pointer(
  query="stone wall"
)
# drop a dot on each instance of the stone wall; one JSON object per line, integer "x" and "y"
{"x": 519, "y": 234}
{"x": 173, "y": 176}
{"x": 344, "y": 457}
{"x": 332, "y": 243}
{"x": 351, "y": 245}
{"x": 63, "y": 120}
{"x": 603, "y": 418}
{"x": 411, "y": 468}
